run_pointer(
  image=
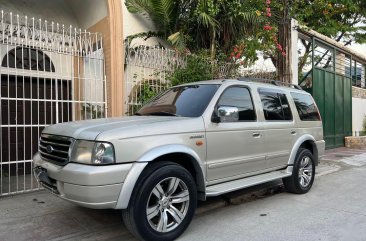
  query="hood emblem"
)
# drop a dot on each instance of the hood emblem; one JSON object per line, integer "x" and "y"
{"x": 49, "y": 149}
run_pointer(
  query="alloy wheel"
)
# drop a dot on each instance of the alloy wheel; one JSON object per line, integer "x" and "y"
{"x": 167, "y": 204}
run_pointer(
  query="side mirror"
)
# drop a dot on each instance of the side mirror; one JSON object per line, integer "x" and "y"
{"x": 227, "y": 114}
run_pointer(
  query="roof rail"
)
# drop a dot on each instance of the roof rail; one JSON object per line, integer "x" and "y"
{"x": 269, "y": 81}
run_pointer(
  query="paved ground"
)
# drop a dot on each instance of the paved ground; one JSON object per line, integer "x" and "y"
{"x": 333, "y": 210}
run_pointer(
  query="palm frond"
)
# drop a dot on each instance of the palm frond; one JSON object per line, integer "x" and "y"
{"x": 139, "y": 6}
{"x": 146, "y": 35}
{"x": 178, "y": 40}
{"x": 165, "y": 12}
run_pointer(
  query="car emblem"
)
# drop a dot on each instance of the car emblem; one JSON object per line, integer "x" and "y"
{"x": 49, "y": 149}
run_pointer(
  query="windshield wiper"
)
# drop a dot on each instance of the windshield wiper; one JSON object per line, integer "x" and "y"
{"x": 162, "y": 113}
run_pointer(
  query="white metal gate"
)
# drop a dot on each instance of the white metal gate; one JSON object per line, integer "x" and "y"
{"x": 50, "y": 73}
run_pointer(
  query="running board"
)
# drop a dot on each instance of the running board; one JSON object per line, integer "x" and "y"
{"x": 231, "y": 186}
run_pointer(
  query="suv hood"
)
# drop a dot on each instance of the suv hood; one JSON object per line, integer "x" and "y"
{"x": 125, "y": 127}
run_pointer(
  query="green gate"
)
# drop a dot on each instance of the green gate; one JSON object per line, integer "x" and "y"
{"x": 333, "y": 95}
{"x": 330, "y": 83}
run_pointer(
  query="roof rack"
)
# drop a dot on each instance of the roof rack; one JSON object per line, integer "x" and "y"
{"x": 269, "y": 81}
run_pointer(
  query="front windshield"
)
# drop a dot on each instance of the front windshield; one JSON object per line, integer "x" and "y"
{"x": 186, "y": 101}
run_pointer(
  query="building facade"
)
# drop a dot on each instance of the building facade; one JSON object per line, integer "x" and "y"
{"x": 67, "y": 60}
{"x": 61, "y": 60}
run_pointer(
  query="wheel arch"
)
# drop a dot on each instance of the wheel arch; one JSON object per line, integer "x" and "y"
{"x": 306, "y": 141}
{"x": 179, "y": 154}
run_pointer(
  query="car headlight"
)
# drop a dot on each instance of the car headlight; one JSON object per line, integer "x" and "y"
{"x": 90, "y": 152}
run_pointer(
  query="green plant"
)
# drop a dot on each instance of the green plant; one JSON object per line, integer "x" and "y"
{"x": 93, "y": 111}
{"x": 144, "y": 93}
{"x": 364, "y": 124}
{"x": 147, "y": 93}
{"x": 198, "y": 67}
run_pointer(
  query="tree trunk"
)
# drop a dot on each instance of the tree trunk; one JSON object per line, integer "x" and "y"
{"x": 284, "y": 38}
{"x": 213, "y": 45}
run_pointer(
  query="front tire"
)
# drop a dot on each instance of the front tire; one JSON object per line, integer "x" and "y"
{"x": 162, "y": 204}
{"x": 303, "y": 173}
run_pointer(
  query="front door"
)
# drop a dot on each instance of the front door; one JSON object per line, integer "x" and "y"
{"x": 235, "y": 147}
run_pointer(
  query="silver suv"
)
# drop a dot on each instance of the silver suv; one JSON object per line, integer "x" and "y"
{"x": 191, "y": 142}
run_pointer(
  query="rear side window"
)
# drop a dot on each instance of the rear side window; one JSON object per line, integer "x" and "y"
{"x": 305, "y": 107}
{"x": 275, "y": 105}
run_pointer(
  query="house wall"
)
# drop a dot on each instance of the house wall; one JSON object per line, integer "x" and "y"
{"x": 89, "y": 12}
{"x": 134, "y": 24}
{"x": 103, "y": 16}
{"x": 358, "y": 108}
{"x": 52, "y": 10}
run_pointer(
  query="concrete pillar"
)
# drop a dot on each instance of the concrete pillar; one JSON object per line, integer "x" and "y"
{"x": 112, "y": 29}
{"x": 294, "y": 53}
{"x": 116, "y": 58}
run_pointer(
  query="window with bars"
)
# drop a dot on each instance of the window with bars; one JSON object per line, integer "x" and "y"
{"x": 29, "y": 59}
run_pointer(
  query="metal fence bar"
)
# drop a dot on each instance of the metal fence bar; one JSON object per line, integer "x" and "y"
{"x": 50, "y": 73}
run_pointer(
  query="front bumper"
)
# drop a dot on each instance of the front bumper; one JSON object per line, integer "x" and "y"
{"x": 96, "y": 187}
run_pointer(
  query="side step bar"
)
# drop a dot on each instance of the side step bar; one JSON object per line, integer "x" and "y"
{"x": 218, "y": 189}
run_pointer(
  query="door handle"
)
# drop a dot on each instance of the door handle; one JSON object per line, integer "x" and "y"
{"x": 293, "y": 132}
{"x": 256, "y": 135}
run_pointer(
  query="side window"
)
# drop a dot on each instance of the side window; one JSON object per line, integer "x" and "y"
{"x": 275, "y": 105}
{"x": 305, "y": 107}
{"x": 240, "y": 98}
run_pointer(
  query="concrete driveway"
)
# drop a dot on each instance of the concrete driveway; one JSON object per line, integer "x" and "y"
{"x": 333, "y": 210}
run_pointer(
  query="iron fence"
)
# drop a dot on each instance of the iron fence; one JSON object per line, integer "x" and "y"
{"x": 147, "y": 70}
{"x": 50, "y": 73}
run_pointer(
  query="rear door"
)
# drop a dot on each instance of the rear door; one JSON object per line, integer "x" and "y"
{"x": 280, "y": 132}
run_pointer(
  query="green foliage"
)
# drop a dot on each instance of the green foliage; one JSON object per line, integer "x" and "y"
{"x": 198, "y": 68}
{"x": 342, "y": 20}
{"x": 147, "y": 93}
{"x": 93, "y": 111}
{"x": 364, "y": 124}
{"x": 168, "y": 16}
{"x": 214, "y": 25}
{"x": 218, "y": 26}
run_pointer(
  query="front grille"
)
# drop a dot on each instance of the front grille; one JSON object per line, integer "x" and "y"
{"x": 55, "y": 149}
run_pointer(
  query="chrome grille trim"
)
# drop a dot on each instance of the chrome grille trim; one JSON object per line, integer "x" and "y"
{"x": 60, "y": 148}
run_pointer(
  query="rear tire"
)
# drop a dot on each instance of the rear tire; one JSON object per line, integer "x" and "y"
{"x": 303, "y": 173}
{"x": 162, "y": 204}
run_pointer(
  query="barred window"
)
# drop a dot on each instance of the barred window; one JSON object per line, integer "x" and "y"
{"x": 28, "y": 59}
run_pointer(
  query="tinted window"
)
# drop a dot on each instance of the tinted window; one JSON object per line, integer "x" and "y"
{"x": 239, "y": 97}
{"x": 305, "y": 107}
{"x": 275, "y": 105}
{"x": 186, "y": 101}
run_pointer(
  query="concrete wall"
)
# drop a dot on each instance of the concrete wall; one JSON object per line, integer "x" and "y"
{"x": 134, "y": 24}
{"x": 358, "y": 108}
{"x": 358, "y": 113}
{"x": 78, "y": 13}
{"x": 88, "y": 12}
{"x": 52, "y": 10}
